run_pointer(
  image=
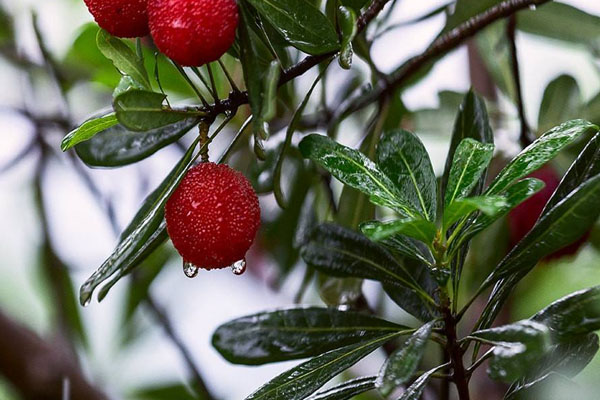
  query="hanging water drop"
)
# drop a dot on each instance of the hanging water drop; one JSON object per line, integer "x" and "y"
{"x": 87, "y": 301}
{"x": 190, "y": 270}
{"x": 239, "y": 267}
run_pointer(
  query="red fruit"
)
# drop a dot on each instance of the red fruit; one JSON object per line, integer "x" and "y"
{"x": 524, "y": 217}
{"x": 122, "y": 18}
{"x": 193, "y": 32}
{"x": 213, "y": 216}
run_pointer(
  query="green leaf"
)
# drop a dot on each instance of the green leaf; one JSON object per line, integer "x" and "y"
{"x": 142, "y": 111}
{"x": 414, "y": 391}
{"x": 87, "y": 130}
{"x": 419, "y": 229}
{"x": 518, "y": 348}
{"x": 402, "y": 364}
{"x": 471, "y": 160}
{"x": 562, "y": 101}
{"x": 126, "y": 84}
{"x": 563, "y": 22}
{"x": 403, "y": 158}
{"x": 299, "y": 382}
{"x": 539, "y": 153}
{"x": 551, "y": 386}
{"x": 123, "y": 57}
{"x": 573, "y": 315}
{"x": 346, "y": 390}
{"x": 471, "y": 122}
{"x": 341, "y": 252}
{"x": 495, "y": 51}
{"x": 295, "y": 333}
{"x": 491, "y": 206}
{"x": 356, "y": 170}
{"x": 145, "y": 232}
{"x": 118, "y": 146}
{"x": 300, "y": 23}
{"x": 347, "y": 21}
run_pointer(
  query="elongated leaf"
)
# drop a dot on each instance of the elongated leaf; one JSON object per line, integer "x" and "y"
{"x": 295, "y": 333}
{"x": 403, "y": 158}
{"x": 551, "y": 386}
{"x": 356, "y": 170}
{"x": 142, "y": 111}
{"x": 539, "y": 153}
{"x": 419, "y": 229}
{"x": 562, "y": 101}
{"x": 491, "y": 206}
{"x": 299, "y": 382}
{"x": 402, "y": 365}
{"x": 123, "y": 57}
{"x": 471, "y": 122}
{"x": 519, "y": 347}
{"x": 118, "y": 146}
{"x": 561, "y": 21}
{"x": 414, "y": 391}
{"x": 341, "y": 252}
{"x": 87, "y": 130}
{"x": 573, "y": 315}
{"x": 471, "y": 160}
{"x": 300, "y": 23}
{"x": 408, "y": 247}
{"x": 585, "y": 166}
{"x": 145, "y": 232}
{"x": 346, "y": 390}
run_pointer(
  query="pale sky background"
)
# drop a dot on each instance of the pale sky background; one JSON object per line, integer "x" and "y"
{"x": 197, "y": 306}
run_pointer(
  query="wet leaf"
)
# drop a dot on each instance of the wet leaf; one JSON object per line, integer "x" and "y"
{"x": 88, "y": 130}
{"x": 123, "y": 57}
{"x": 402, "y": 365}
{"x": 347, "y": 22}
{"x": 346, "y": 390}
{"x": 295, "y": 333}
{"x": 419, "y": 229}
{"x": 562, "y": 101}
{"x": 414, "y": 391}
{"x": 491, "y": 206}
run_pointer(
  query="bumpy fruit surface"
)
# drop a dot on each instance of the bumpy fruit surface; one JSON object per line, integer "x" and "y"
{"x": 213, "y": 216}
{"x": 122, "y": 18}
{"x": 524, "y": 217}
{"x": 193, "y": 32}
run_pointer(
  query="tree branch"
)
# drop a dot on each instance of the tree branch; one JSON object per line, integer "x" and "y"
{"x": 439, "y": 47}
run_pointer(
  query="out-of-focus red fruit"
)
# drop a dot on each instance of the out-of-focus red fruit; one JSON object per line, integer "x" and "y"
{"x": 122, "y": 18}
{"x": 524, "y": 217}
{"x": 213, "y": 216}
{"x": 193, "y": 32}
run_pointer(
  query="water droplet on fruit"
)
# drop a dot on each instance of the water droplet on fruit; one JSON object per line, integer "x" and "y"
{"x": 239, "y": 267}
{"x": 190, "y": 270}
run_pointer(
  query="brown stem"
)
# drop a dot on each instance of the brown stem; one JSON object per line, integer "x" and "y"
{"x": 511, "y": 29}
{"x": 454, "y": 351}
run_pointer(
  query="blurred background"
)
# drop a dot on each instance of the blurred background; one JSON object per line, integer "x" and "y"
{"x": 60, "y": 219}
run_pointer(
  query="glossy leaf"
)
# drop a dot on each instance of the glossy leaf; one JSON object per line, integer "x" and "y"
{"x": 356, "y": 170}
{"x": 539, "y": 153}
{"x": 551, "y": 386}
{"x": 419, "y": 229}
{"x": 87, "y": 130}
{"x": 295, "y": 333}
{"x": 300, "y": 23}
{"x": 123, "y": 57}
{"x": 518, "y": 348}
{"x": 144, "y": 234}
{"x": 341, "y": 252}
{"x": 491, "y": 206}
{"x": 346, "y": 390}
{"x": 347, "y": 22}
{"x": 573, "y": 315}
{"x": 414, "y": 391}
{"x": 118, "y": 146}
{"x": 303, "y": 380}
{"x": 471, "y": 122}
{"x": 142, "y": 111}
{"x": 402, "y": 364}
{"x": 471, "y": 160}
{"x": 403, "y": 158}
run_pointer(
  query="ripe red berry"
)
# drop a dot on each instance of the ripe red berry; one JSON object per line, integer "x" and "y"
{"x": 193, "y": 32}
{"x": 122, "y": 18}
{"x": 213, "y": 216}
{"x": 524, "y": 217}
